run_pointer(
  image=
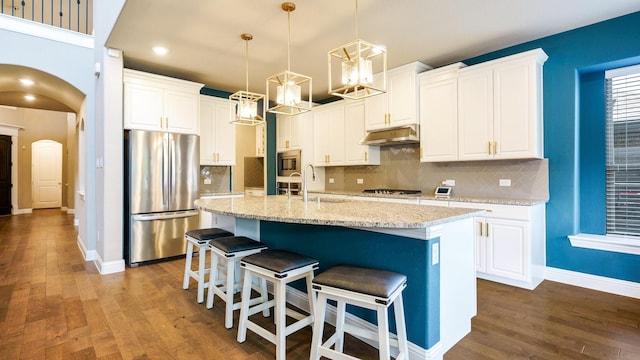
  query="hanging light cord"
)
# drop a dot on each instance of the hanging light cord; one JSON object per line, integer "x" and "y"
{"x": 246, "y": 62}
{"x": 289, "y": 40}
{"x": 357, "y": 35}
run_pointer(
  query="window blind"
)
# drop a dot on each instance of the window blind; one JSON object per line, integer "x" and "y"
{"x": 623, "y": 151}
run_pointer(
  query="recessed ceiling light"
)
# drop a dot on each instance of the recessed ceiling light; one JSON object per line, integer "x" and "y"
{"x": 26, "y": 82}
{"x": 160, "y": 50}
{"x": 29, "y": 97}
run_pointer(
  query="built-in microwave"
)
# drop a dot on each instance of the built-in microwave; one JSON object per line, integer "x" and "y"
{"x": 289, "y": 162}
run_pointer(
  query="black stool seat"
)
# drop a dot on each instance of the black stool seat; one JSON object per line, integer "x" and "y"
{"x": 375, "y": 282}
{"x": 279, "y": 261}
{"x": 204, "y": 235}
{"x": 234, "y": 244}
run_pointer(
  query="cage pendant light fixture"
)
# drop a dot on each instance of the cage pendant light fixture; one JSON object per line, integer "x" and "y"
{"x": 357, "y": 69}
{"x": 245, "y": 104}
{"x": 292, "y": 90}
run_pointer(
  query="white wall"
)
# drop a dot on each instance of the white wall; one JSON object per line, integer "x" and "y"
{"x": 109, "y": 143}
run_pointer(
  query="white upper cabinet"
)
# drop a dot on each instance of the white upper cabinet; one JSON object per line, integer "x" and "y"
{"x": 399, "y": 105}
{"x": 261, "y": 139}
{"x": 500, "y": 108}
{"x": 354, "y": 132}
{"x": 328, "y": 126}
{"x": 217, "y": 135}
{"x": 289, "y": 131}
{"x": 439, "y": 114}
{"x": 159, "y": 103}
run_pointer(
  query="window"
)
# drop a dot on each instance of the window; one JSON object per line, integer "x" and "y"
{"x": 623, "y": 151}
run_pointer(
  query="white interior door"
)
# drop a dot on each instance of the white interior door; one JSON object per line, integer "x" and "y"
{"x": 46, "y": 173}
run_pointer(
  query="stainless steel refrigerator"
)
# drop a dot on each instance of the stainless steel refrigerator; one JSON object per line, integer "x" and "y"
{"x": 161, "y": 180}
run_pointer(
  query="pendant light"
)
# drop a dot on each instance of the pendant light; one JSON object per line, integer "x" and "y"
{"x": 289, "y": 87}
{"x": 245, "y": 104}
{"x": 352, "y": 67}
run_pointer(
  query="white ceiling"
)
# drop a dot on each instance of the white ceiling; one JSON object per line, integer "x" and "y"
{"x": 204, "y": 42}
{"x": 203, "y": 37}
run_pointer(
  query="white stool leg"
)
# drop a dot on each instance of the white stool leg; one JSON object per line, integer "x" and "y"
{"x": 229, "y": 291}
{"x": 264, "y": 296}
{"x": 398, "y": 309}
{"x": 340, "y": 314}
{"x": 187, "y": 265}
{"x": 310, "y": 294}
{"x": 244, "y": 307}
{"x": 213, "y": 279}
{"x": 202, "y": 256}
{"x": 383, "y": 333}
{"x": 318, "y": 326}
{"x": 280, "y": 294}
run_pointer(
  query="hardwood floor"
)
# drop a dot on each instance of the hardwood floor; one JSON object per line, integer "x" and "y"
{"x": 54, "y": 305}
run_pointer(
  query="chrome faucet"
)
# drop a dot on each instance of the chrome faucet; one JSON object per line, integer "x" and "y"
{"x": 305, "y": 197}
{"x": 289, "y": 183}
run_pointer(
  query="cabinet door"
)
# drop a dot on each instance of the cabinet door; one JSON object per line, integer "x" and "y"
{"x": 481, "y": 245}
{"x": 515, "y": 114}
{"x": 282, "y": 132}
{"x": 354, "y": 131}
{"x": 401, "y": 98}
{"x": 143, "y": 107}
{"x": 439, "y": 120}
{"x": 375, "y": 110}
{"x": 261, "y": 144}
{"x": 207, "y": 129}
{"x": 335, "y": 138}
{"x": 224, "y": 135}
{"x": 475, "y": 114}
{"x": 321, "y": 137}
{"x": 508, "y": 249}
{"x": 181, "y": 111}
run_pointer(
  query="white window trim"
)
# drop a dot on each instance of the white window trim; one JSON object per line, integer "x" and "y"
{"x": 614, "y": 243}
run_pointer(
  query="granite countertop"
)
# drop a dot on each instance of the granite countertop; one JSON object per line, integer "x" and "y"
{"x": 337, "y": 212}
{"x": 470, "y": 199}
{"x": 206, "y": 195}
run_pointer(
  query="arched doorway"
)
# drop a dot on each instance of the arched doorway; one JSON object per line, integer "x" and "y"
{"x": 46, "y": 174}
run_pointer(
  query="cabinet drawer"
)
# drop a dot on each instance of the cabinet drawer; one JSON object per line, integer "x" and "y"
{"x": 514, "y": 212}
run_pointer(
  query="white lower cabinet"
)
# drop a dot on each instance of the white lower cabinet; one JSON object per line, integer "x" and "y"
{"x": 510, "y": 243}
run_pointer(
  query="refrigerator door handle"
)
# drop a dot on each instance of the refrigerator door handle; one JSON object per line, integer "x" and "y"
{"x": 164, "y": 216}
{"x": 165, "y": 172}
{"x": 172, "y": 169}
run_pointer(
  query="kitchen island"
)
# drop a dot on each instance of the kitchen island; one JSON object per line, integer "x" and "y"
{"x": 432, "y": 246}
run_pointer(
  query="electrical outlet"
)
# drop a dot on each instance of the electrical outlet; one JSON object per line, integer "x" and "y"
{"x": 207, "y": 181}
{"x": 449, "y": 183}
{"x": 331, "y": 181}
{"x": 505, "y": 182}
{"x": 435, "y": 254}
{"x": 360, "y": 181}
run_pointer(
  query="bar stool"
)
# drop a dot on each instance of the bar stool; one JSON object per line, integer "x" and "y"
{"x": 199, "y": 238}
{"x": 232, "y": 249}
{"x": 368, "y": 288}
{"x": 280, "y": 268}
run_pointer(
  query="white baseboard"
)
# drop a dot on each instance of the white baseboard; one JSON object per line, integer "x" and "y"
{"x": 76, "y": 222}
{"x": 22, "y": 211}
{"x": 88, "y": 255}
{"x": 71, "y": 211}
{"x": 109, "y": 267}
{"x": 300, "y": 300}
{"x": 594, "y": 282}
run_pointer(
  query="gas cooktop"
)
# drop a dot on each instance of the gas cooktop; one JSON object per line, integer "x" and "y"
{"x": 392, "y": 191}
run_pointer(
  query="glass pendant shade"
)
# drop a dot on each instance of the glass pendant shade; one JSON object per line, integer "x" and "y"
{"x": 245, "y": 104}
{"x": 292, "y": 90}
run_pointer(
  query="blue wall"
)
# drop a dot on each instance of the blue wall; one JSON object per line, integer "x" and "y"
{"x": 574, "y": 137}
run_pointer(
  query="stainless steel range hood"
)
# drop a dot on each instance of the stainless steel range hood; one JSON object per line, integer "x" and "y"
{"x": 393, "y": 136}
